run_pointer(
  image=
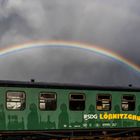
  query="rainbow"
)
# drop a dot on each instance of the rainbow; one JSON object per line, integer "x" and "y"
{"x": 93, "y": 48}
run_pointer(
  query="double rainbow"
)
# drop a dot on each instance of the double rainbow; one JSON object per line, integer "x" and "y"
{"x": 92, "y": 48}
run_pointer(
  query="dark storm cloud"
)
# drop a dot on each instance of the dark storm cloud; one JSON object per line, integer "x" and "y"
{"x": 93, "y": 21}
{"x": 111, "y": 24}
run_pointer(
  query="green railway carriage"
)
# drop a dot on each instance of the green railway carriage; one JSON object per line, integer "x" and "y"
{"x": 40, "y": 107}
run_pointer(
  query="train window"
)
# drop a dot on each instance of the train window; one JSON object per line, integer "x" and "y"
{"x": 47, "y": 101}
{"x": 103, "y": 102}
{"x": 77, "y": 101}
{"x": 15, "y": 100}
{"x": 128, "y": 102}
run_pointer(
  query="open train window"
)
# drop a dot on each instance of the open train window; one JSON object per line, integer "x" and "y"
{"x": 128, "y": 102}
{"x": 77, "y": 101}
{"x": 103, "y": 102}
{"x": 15, "y": 100}
{"x": 47, "y": 101}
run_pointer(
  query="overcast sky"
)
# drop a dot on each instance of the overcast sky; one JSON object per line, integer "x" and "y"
{"x": 111, "y": 24}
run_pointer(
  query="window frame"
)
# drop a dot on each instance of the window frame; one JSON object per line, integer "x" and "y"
{"x": 16, "y": 91}
{"x": 77, "y": 93}
{"x": 55, "y": 99}
{"x": 134, "y": 100}
{"x": 110, "y": 101}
